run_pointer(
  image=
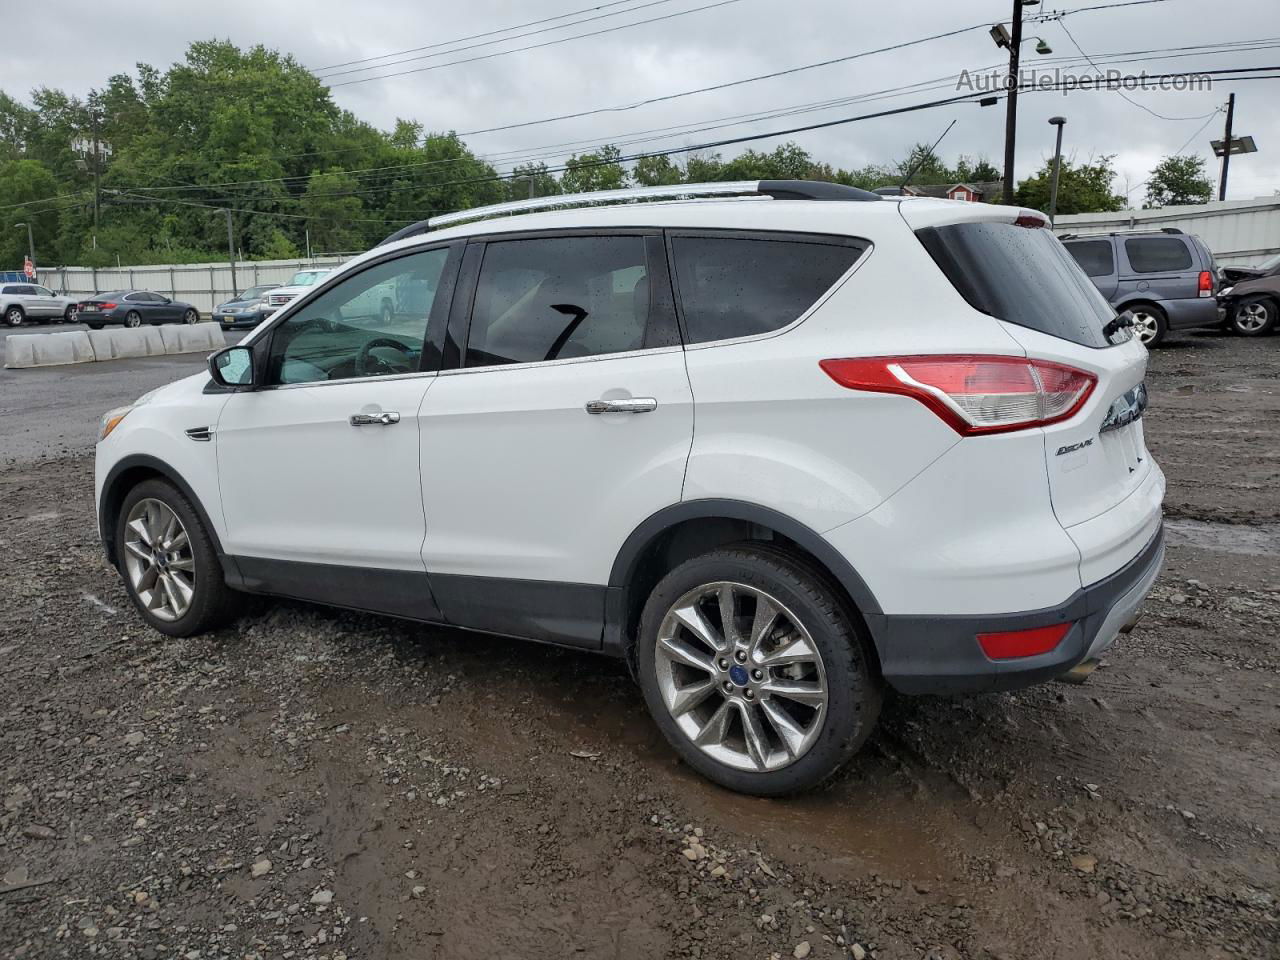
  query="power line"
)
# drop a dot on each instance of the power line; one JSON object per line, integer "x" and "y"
{"x": 488, "y": 43}
{"x": 538, "y": 46}
{"x": 477, "y": 36}
{"x": 1123, "y": 95}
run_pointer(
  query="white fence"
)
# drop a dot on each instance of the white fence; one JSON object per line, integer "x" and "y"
{"x": 205, "y": 285}
{"x": 1239, "y": 232}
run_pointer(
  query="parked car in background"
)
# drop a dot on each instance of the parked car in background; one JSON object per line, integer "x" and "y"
{"x": 20, "y": 302}
{"x": 960, "y": 503}
{"x": 1165, "y": 280}
{"x": 298, "y": 284}
{"x": 133, "y": 308}
{"x": 1252, "y": 301}
{"x": 247, "y": 309}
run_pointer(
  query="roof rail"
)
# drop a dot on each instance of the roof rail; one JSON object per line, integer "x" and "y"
{"x": 776, "y": 189}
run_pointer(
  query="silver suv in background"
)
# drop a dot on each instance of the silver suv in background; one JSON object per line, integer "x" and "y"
{"x": 1166, "y": 280}
{"x": 30, "y": 301}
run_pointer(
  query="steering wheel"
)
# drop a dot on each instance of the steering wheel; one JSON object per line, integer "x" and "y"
{"x": 363, "y": 357}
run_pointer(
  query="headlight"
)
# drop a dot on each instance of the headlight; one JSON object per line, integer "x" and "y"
{"x": 1226, "y": 291}
{"x": 110, "y": 420}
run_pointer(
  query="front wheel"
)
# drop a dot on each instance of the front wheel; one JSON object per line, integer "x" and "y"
{"x": 190, "y": 317}
{"x": 133, "y": 319}
{"x": 14, "y": 316}
{"x": 69, "y": 314}
{"x": 169, "y": 564}
{"x": 754, "y": 671}
{"x": 1150, "y": 324}
{"x": 1254, "y": 317}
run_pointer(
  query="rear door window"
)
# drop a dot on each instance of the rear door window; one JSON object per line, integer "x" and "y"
{"x": 1021, "y": 275}
{"x": 741, "y": 286}
{"x": 553, "y": 298}
{"x": 1096, "y": 258}
{"x": 1158, "y": 254}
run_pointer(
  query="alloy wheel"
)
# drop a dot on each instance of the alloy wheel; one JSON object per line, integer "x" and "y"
{"x": 14, "y": 317}
{"x": 132, "y": 319}
{"x": 741, "y": 676}
{"x": 1145, "y": 325}
{"x": 1252, "y": 317}
{"x": 190, "y": 317}
{"x": 158, "y": 559}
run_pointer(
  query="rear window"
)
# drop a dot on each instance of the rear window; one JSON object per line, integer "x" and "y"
{"x": 1095, "y": 257}
{"x": 738, "y": 287}
{"x": 1021, "y": 275}
{"x": 1158, "y": 254}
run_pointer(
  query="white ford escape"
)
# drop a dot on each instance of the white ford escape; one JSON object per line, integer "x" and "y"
{"x": 777, "y": 444}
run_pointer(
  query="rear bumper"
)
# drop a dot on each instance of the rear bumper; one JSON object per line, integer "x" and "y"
{"x": 941, "y": 655}
{"x": 1188, "y": 313}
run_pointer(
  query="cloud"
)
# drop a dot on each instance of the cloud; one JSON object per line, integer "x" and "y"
{"x": 741, "y": 39}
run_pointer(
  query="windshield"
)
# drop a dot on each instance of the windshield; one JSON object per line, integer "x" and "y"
{"x": 1271, "y": 263}
{"x": 256, "y": 293}
{"x": 1021, "y": 275}
{"x": 307, "y": 278}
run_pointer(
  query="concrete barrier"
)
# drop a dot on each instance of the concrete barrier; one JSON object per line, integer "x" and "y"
{"x": 48, "y": 349}
{"x": 112, "y": 343}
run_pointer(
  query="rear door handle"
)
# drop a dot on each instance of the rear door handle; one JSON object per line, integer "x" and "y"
{"x": 384, "y": 419}
{"x": 629, "y": 405}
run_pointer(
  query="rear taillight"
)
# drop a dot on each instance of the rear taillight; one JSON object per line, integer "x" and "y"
{"x": 107, "y": 306}
{"x": 1206, "y": 283}
{"x": 973, "y": 394}
{"x": 1011, "y": 644}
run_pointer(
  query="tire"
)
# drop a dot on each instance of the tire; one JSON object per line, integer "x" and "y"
{"x": 69, "y": 315}
{"x": 211, "y": 603}
{"x": 836, "y": 657}
{"x": 1254, "y": 316}
{"x": 190, "y": 317}
{"x": 1151, "y": 326}
{"x": 14, "y": 316}
{"x": 133, "y": 319}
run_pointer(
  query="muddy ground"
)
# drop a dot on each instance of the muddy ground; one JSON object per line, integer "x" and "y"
{"x": 315, "y": 783}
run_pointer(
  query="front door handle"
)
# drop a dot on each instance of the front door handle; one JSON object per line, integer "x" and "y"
{"x": 385, "y": 419}
{"x": 629, "y": 405}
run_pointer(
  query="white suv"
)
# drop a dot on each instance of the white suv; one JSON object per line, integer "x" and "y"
{"x": 777, "y": 447}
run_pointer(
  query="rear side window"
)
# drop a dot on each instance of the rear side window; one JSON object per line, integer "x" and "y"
{"x": 736, "y": 287}
{"x": 1095, "y": 257}
{"x": 1157, "y": 254}
{"x": 558, "y": 297}
{"x": 1021, "y": 275}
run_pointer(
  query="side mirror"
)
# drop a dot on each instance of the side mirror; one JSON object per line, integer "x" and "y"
{"x": 232, "y": 367}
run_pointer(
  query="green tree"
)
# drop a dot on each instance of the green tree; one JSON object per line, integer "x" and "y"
{"x": 22, "y": 181}
{"x": 1179, "y": 179}
{"x": 594, "y": 171}
{"x": 1082, "y": 187}
{"x": 544, "y": 184}
{"x": 331, "y": 211}
{"x": 656, "y": 172}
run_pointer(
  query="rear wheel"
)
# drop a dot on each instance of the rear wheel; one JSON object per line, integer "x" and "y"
{"x": 1254, "y": 317}
{"x": 133, "y": 319}
{"x": 14, "y": 316}
{"x": 1149, "y": 323}
{"x": 169, "y": 564}
{"x": 69, "y": 314}
{"x": 754, "y": 671}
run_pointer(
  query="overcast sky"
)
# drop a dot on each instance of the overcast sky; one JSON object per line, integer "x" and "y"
{"x": 728, "y": 42}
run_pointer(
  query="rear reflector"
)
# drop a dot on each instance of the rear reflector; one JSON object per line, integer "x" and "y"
{"x": 1022, "y": 643}
{"x": 1026, "y": 219}
{"x": 1206, "y": 283}
{"x": 973, "y": 394}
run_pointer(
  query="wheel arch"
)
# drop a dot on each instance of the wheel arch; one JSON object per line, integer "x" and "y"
{"x": 685, "y": 530}
{"x": 127, "y": 474}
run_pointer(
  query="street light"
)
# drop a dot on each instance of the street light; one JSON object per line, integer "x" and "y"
{"x": 1058, "y": 122}
{"x": 1012, "y": 39}
{"x": 31, "y": 244}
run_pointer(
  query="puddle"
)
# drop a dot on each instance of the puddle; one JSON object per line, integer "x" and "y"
{"x": 1259, "y": 540}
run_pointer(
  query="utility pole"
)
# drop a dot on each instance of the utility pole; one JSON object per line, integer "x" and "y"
{"x": 1058, "y": 122}
{"x": 1011, "y": 100}
{"x": 97, "y": 167}
{"x": 231, "y": 253}
{"x": 1226, "y": 151}
{"x": 31, "y": 244}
